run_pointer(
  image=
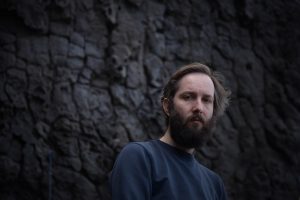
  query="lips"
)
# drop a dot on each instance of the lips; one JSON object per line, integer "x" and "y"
{"x": 197, "y": 119}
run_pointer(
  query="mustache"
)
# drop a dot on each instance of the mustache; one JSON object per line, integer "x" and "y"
{"x": 196, "y": 117}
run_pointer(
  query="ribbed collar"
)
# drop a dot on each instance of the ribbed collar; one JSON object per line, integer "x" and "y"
{"x": 178, "y": 152}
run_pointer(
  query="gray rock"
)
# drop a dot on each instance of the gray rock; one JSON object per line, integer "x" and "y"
{"x": 94, "y": 103}
{"x": 92, "y": 50}
{"x": 157, "y": 43}
{"x": 58, "y": 45}
{"x": 115, "y": 133}
{"x": 136, "y": 2}
{"x": 131, "y": 124}
{"x": 75, "y": 63}
{"x": 15, "y": 87}
{"x": 42, "y": 129}
{"x": 33, "y": 14}
{"x": 199, "y": 13}
{"x": 153, "y": 66}
{"x": 136, "y": 97}
{"x": 119, "y": 94}
{"x": 69, "y": 179}
{"x": 73, "y": 163}
{"x": 6, "y": 38}
{"x": 91, "y": 165}
{"x": 9, "y": 170}
{"x": 40, "y": 45}
{"x": 75, "y": 51}
{"x": 252, "y": 117}
{"x": 155, "y": 11}
{"x": 18, "y": 75}
{"x": 62, "y": 29}
{"x": 58, "y": 60}
{"x": 227, "y": 10}
{"x": 7, "y": 60}
{"x": 66, "y": 125}
{"x": 110, "y": 10}
{"x": 135, "y": 76}
{"x": 62, "y": 92}
{"x": 81, "y": 24}
{"x": 66, "y": 75}
{"x": 77, "y": 38}
{"x": 20, "y": 64}
{"x": 88, "y": 4}
{"x": 24, "y": 49}
{"x": 95, "y": 64}
{"x": 236, "y": 115}
{"x": 5, "y": 142}
{"x": 42, "y": 59}
{"x": 9, "y": 48}
{"x": 31, "y": 171}
{"x": 118, "y": 61}
{"x": 63, "y": 101}
{"x": 66, "y": 145}
{"x": 85, "y": 76}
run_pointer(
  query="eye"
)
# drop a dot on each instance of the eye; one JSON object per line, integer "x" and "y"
{"x": 207, "y": 100}
{"x": 187, "y": 97}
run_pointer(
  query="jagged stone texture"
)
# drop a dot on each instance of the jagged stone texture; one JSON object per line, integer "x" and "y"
{"x": 80, "y": 79}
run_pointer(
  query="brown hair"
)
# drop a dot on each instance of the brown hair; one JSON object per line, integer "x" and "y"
{"x": 221, "y": 95}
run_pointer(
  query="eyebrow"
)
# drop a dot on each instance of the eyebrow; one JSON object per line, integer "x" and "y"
{"x": 210, "y": 98}
{"x": 191, "y": 92}
{"x": 208, "y": 95}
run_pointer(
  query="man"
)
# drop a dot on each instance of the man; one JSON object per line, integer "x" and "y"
{"x": 166, "y": 169}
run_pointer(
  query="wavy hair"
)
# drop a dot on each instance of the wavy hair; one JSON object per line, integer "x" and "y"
{"x": 221, "y": 94}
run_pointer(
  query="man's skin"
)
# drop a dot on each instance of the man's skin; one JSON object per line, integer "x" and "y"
{"x": 195, "y": 94}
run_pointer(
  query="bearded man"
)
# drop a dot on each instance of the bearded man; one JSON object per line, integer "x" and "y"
{"x": 166, "y": 169}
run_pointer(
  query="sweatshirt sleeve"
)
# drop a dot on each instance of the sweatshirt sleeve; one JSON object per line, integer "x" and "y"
{"x": 221, "y": 189}
{"x": 131, "y": 175}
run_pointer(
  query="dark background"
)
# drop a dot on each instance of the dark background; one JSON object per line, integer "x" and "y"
{"x": 80, "y": 79}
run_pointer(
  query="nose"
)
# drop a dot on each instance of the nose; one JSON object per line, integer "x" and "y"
{"x": 198, "y": 106}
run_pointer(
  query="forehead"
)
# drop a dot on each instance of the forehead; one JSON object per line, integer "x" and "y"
{"x": 196, "y": 82}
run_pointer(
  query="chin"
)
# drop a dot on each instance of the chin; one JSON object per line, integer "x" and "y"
{"x": 197, "y": 122}
{"x": 196, "y": 125}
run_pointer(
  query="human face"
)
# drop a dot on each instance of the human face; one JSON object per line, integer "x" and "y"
{"x": 191, "y": 120}
{"x": 195, "y": 97}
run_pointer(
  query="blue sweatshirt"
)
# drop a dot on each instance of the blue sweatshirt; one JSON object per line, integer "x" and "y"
{"x": 154, "y": 170}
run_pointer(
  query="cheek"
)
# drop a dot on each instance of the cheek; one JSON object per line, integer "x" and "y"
{"x": 181, "y": 110}
{"x": 209, "y": 112}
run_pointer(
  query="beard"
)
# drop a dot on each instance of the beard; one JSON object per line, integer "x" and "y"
{"x": 190, "y": 136}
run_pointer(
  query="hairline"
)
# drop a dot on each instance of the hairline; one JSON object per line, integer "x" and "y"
{"x": 176, "y": 86}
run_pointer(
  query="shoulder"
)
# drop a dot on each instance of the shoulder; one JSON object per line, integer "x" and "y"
{"x": 135, "y": 157}
{"x": 131, "y": 173}
{"x": 135, "y": 150}
{"x": 139, "y": 147}
{"x": 213, "y": 177}
{"x": 208, "y": 172}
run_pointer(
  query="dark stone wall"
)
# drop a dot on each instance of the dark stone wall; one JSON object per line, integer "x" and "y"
{"x": 80, "y": 79}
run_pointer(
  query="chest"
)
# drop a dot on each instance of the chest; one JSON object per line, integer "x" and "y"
{"x": 174, "y": 178}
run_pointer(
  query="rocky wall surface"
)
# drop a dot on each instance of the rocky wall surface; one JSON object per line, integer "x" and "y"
{"x": 80, "y": 79}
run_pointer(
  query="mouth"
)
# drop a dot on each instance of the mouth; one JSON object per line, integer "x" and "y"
{"x": 196, "y": 123}
{"x": 196, "y": 119}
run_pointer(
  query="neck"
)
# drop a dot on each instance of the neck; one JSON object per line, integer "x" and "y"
{"x": 166, "y": 138}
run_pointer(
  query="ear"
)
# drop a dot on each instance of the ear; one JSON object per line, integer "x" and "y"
{"x": 166, "y": 104}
